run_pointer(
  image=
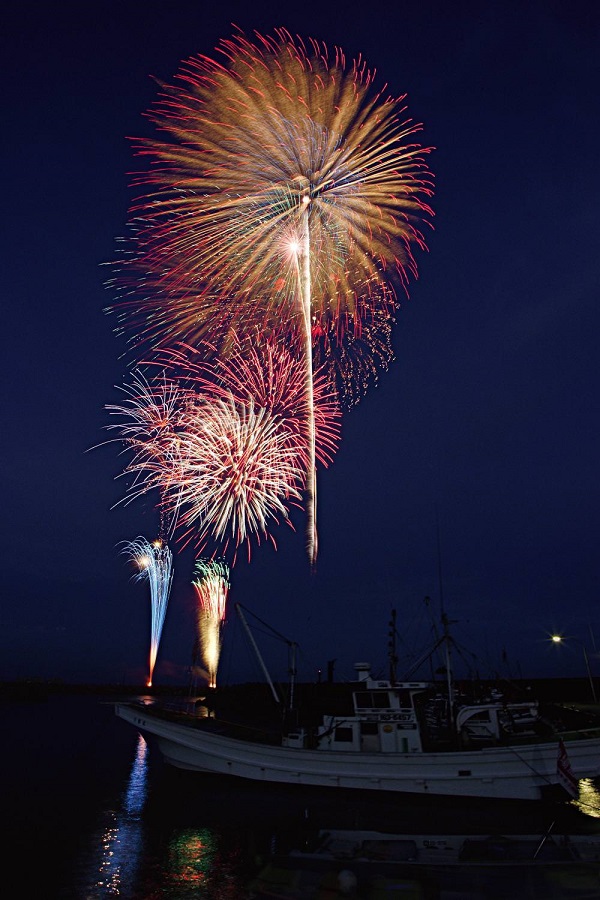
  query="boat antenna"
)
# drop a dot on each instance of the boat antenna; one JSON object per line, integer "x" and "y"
{"x": 392, "y": 647}
{"x": 439, "y": 561}
{"x": 261, "y": 661}
{"x": 445, "y": 620}
{"x": 292, "y": 647}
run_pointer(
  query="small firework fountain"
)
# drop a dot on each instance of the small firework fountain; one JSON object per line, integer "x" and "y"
{"x": 212, "y": 587}
{"x": 154, "y": 562}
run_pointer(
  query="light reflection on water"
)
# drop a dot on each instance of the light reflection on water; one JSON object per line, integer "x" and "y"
{"x": 121, "y": 840}
{"x": 163, "y": 844}
{"x": 589, "y": 798}
{"x": 196, "y": 868}
{"x": 131, "y": 859}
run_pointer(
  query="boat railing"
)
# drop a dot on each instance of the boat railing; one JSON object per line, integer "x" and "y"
{"x": 176, "y": 712}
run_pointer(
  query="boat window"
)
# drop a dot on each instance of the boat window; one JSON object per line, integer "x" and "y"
{"x": 363, "y": 699}
{"x": 343, "y": 734}
{"x": 372, "y": 700}
{"x": 483, "y": 716}
{"x": 405, "y": 699}
{"x": 382, "y": 700}
{"x": 369, "y": 728}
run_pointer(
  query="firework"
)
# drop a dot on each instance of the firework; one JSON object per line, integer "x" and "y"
{"x": 237, "y": 472}
{"x": 226, "y": 470}
{"x": 269, "y": 375}
{"x": 150, "y": 414}
{"x": 155, "y": 563}
{"x": 279, "y": 146}
{"x": 225, "y": 444}
{"x": 285, "y": 189}
{"x": 355, "y": 358}
{"x": 212, "y": 586}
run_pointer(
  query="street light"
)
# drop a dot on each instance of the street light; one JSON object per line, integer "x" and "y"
{"x": 558, "y": 639}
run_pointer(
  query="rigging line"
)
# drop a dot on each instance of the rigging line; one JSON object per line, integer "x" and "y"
{"x": 523, "y": 760}
{"x": 467, "y": 656}
{"x": 266, "y": 625}
{"x": 427, "y": 655}
{"x": 529, "y": 766}
{"x": 271, "y": 634}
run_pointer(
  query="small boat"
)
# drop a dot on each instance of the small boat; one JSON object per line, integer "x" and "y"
{"x": 374, "y": 865}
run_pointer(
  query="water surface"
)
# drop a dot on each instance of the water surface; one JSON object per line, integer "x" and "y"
{"x": 92, "y": 812}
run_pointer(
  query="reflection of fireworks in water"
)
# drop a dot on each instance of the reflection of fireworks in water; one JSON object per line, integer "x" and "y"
{"x": 212, "y": 587}
{"x": 155, "y": 562}
{"x": 289, "y": 188}
{"x": 588, "y": 800}
{"x": 118, "y": 849}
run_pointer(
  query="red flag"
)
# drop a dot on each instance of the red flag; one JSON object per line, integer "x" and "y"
{"x": 565, "y": 772}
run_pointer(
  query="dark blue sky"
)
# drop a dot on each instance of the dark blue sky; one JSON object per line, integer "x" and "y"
{"x": 489, "y": 414}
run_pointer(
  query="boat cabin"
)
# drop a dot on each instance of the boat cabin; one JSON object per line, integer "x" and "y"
{"x": 384, "y": 720}
{"x": 406, "y": 717}
{"x": 492, "y": 723}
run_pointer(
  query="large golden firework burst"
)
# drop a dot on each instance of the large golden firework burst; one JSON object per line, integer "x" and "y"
{"x": 280, "y": 148}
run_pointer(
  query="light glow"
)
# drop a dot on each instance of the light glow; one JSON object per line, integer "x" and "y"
{"x": 212, "y": 588}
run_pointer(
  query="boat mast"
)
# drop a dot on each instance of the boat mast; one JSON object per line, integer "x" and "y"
{"x": 238, "y": 610}
{"x": 445, "y": 624}
{"x": 392, "y": 647}
{"x": 292, "y": 671}
{"x": 447, "y": 642}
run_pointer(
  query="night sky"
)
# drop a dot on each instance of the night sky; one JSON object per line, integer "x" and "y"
{"x": 485, "y": 431}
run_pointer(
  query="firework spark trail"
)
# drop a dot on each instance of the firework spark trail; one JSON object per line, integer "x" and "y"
{"x": 212, "y": 587}
{"x": 155, "y": 562}
{"x": 285, "y": 189}
{"x": 270, "y": 375}
{"x": 354, "y": 361}
{"x": 226, "y": 469}
{"x": 304, "y": 291}
{"x": 236, "y": 472}
{"x": 151, "y": 413}
{"x": 225, "y": 444}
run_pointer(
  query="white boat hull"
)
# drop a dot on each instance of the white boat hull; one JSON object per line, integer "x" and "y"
{"x": 509, "y": 772}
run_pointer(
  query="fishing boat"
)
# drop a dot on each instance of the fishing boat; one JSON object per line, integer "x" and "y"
{"x": 410, "y": 737}
{"x": 376, "y": 865}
